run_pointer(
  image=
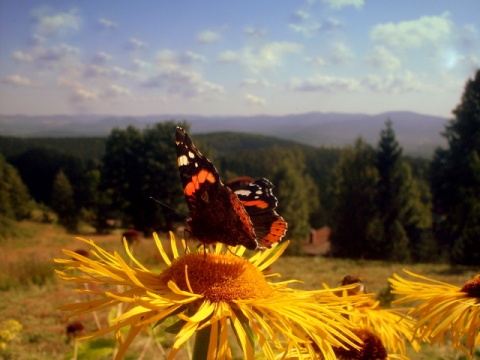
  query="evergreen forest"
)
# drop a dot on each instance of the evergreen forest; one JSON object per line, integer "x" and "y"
{"x": 378, "y": 202}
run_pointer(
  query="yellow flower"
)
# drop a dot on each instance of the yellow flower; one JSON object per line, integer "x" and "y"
{"x": 391, "y": 326}
{"x": 9, "y": 331}
{"x": 443, "y": 307}
{"x": 210, "y": 293}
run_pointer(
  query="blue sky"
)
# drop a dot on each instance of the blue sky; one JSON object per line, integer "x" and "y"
{"x": 236, "y": 57}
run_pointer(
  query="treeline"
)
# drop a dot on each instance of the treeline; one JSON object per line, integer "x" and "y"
{"x": 379, "y": 203}
{"x": 84, "y": 148}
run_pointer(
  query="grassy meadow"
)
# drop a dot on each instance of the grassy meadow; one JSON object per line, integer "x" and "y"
{"x": 30, "y": 292}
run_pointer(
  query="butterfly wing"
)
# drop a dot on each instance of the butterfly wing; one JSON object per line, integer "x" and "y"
{"x": 260, "y": 204}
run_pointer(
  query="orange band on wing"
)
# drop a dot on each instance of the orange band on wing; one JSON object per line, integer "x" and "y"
{"x": 277, "y": 230}
{"x": 261, "y": 204}
{"x": 205, "y": 175}
{"x": 189, "y": 189}
{"x": 198, "y": 180}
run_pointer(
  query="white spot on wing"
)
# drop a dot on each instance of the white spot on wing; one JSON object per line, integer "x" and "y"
{"x": 191, "y": 155}
{"x": 182, "y": 160}
{"x": 243, "y": 192}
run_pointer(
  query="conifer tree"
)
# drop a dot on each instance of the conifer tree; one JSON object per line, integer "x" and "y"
{"x": 456, "y": 182}
{"x": 393, "y": 243}
{"x": 63, "y": 202}
{"x": 15, "y": 200}
{"x": 297, "y": 196}
{"x": 403, "y": 217}
{"x": 354, "y": 210}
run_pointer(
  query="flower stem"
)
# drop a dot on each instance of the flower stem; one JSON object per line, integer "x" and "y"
{"x": 200, "y": 349}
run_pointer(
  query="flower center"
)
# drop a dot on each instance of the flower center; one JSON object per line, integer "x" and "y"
{"x": 372, "y": 348}
{"x": 218, "y": 277}
{"x": 472, "y": 287}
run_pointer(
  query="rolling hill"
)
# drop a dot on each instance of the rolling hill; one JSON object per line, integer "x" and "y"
{"x": 418, "y": 134}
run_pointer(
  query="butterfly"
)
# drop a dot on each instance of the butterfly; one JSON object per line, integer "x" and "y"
{"x": 245, "y": 217}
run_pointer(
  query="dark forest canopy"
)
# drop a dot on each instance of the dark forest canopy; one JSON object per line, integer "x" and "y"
{"x": 85, "y": 148}
{"x": 86, "y": 164}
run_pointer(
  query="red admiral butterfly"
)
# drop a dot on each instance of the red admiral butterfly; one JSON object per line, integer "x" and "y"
{"x": 245, "y": 217}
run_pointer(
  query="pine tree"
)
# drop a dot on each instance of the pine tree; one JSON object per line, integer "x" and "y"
{"x": 456, "y": 182}
{"x": 353, "y": 219}
{"x": 416, "y": 219}
{"x": 297, "y": 197}
{"x": 63, "y": 202}
{"x": 15, "y": 200}
{"x": 403, "y": 217}
{"x": 394, "y": 242}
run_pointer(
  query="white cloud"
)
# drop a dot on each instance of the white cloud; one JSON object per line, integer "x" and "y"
{"x": 105, "y": 24}
{"x": 380, "y": 57}
{"x": 331, "y": 25}
{"x": 140, "y": 64}
{"x": 267, "y": 57}
{"x": 300, "y": 15}
{"x": 101, "y": 58}
{"x": 68, "y": 82}
{"x": 340, "y": 54}
{"x": 184, "y": 83}
{"x": 177, "y": 75}
{"x": 254, "y": 100}
{"x": 52, "y": 24}
{"x": 315, "y": 60}
{"x": 136, "y": 44}
{"x": 467, "y": 39}
{"x": 393, "y": 83}
{"x": 471, "y": 63}
{"x": 228, "y": 56}
{"x": 434, "y": 30}
{"x": 338, "y": 4}
{"x": 324, "y": 83}
{"x": 80, "y": 97}
{"x": 168, "y": 59}
{"x": 261, "y": 83}
{"x": 189, "y": 57}
{"x": 255, "y": 32}
{"x": 36, "y": 39}
{"x": 94, "y": 71}
{"x": 207, "y": 36}
{"x": 115, "y": 92}
{"x": 59, "y": 57}
{"x": 118, "y": 71}
{"x": 17, "y": 80}
{"x": 306, "y": 30}
{"x": 302, "y": 22}
{"x": 56, "y": 53}
{"x": 21, "y": 56}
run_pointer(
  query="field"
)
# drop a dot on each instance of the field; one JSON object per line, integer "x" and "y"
{"x": 30, "y": 292}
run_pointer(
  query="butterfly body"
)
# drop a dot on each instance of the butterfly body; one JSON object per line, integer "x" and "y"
{"x": 245, "y": 217}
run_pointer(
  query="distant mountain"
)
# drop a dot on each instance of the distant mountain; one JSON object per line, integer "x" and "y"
{"x": 417, "y": 133}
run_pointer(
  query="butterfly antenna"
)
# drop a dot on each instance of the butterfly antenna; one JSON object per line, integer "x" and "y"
{"x": 169, "y": 207}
